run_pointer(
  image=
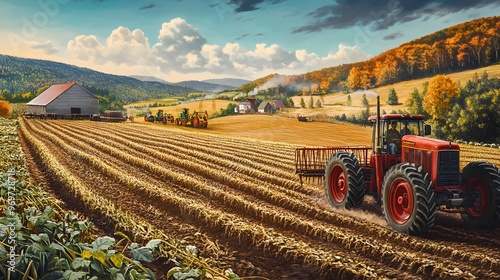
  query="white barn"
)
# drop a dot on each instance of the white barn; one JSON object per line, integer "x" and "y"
{"x": 64, "y": 99}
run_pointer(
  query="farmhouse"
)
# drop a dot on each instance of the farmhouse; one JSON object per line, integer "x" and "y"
{"x": 64, "y": 100}
{"x": 245, "y": 107}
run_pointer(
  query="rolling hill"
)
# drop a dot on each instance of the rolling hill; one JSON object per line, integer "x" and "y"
{"x": 465, "y": 46}
{"x": 18, "y": 75}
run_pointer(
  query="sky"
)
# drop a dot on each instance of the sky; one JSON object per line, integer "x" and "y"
{"x": 179, "y": 40}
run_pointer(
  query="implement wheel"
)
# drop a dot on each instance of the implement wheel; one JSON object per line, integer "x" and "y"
{"x": 408, "y": 201}
{"x": 196, "y": 122}
{"x": 483, "y": 182}
{"x": 344, "y": 181}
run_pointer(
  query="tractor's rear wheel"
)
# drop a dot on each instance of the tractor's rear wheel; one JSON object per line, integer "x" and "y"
{"x": 196, "y": 122}
{"x": 164, "y": 120}
{"x": 176, "y": 122}
{"x": 408, "y": 200}
{"x": 344, "y": 184}
{"x": 483, "y": 182}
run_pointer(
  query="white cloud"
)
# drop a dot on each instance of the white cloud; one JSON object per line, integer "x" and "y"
{"x": 182, "y": 49}
{"x": 48, "y": 48}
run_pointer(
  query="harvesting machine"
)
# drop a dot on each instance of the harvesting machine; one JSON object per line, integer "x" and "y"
{"x": 410, "y": 175}
{"x": 196, "y": 119}
{"x": 160, "y": 117}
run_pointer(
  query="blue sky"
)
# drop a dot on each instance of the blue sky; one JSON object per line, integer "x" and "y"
{"x": 180, "y": 40}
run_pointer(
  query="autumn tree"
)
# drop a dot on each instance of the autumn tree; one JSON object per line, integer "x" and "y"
{"x": 437, "y": 101}
{"x": 4, "y": 108}
{"x": 358, "y": 79}
{"x": 392, "y": 99}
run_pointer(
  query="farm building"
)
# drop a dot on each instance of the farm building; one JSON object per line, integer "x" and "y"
{"x": 278, "y": 105}
{"x": 245, "y": 107}
{"x": 265, "y": 107}
{"x": 64, "y": 100}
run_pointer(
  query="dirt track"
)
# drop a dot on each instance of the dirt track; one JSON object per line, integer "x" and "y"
{"x": 238, "y": 201}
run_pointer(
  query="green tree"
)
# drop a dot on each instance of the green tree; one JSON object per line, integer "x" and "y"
{"x": 318, "y": 103}
{"x": 302, "y": 102}
{"x": 415, "y": 103}
{"x": 365, "y": 102}
{"x": 349, "y": 100}
{"x": 392, "y": 99}
{"x": 311, "y": 103}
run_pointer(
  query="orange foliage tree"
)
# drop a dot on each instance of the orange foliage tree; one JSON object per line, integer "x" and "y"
{"x": 437, "y": 100}
{"x": 4, "y": 108}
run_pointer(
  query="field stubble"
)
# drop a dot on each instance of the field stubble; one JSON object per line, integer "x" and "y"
{"x": 238, "y": 200}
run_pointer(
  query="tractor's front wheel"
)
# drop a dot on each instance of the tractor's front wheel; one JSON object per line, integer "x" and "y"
{"x": 483, "y": 182}
{"x": 176, "y": 122}
{"x": 344, "y": 184}
{"x": 408, "y": 200}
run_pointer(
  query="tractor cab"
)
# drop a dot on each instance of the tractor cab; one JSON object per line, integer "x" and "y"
{"x": 393, "y": 127}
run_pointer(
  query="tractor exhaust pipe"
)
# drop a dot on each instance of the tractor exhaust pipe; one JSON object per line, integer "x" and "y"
{"x": 378, "y": 146}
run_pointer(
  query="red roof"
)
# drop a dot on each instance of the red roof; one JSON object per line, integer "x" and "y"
{"x": 50, "y": 94}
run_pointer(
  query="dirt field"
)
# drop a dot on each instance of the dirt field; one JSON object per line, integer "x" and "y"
{"x": 237, "y": 199}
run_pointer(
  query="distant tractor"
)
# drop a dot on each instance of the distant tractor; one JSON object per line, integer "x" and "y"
{"x": 109, "y": 116}
{"x": 160, "y": 117}
{"x": 411, "y": 176}
{"x": 197, "y": 119}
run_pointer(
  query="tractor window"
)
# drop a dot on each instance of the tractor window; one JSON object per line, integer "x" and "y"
{"x": 411, "y": 127}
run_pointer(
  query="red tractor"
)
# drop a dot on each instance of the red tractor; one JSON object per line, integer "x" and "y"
{"x": 410, "y": 175}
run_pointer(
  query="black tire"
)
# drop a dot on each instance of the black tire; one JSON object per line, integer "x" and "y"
{"x": 408, "y": 200}
{"x": 344, "y": 184}
{"x": 483, "y": 181}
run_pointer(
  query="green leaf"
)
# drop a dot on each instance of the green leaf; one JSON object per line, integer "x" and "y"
{"x": 79, "y": 263}
{"x": 191, "y": 274}
{"x": 3, "y": 251}
{"x": 71, "y": 275}
{"x": 103, "y": 243}
{"x": 98, "y": 267}
{"x": 143, "y": 254}
{"x": 55, "y": 275}
{"x": 153, "y": 244}
{"x": 173, "y": 271}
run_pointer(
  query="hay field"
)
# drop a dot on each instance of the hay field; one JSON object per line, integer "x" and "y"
{"x": 334, "y": 104}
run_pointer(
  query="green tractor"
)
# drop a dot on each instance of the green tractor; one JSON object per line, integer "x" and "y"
{"x": 197, "y": 119}
{"x": 160, "y": 117}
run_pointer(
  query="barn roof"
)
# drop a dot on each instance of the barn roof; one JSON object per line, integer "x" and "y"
{"x": 264, "y": 104}
{"x": 51, "y": 93}
{"x": 278, "y": 104}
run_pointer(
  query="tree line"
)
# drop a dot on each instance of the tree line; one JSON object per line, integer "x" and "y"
{"x": 464, "y": 46}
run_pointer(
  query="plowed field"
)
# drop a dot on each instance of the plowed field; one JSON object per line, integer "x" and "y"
{"x": 239, "y": 201}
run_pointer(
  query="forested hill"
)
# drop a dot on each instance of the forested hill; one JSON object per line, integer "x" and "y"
{"x": 20, "y": 76}
{"x": 468, "y": 45}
